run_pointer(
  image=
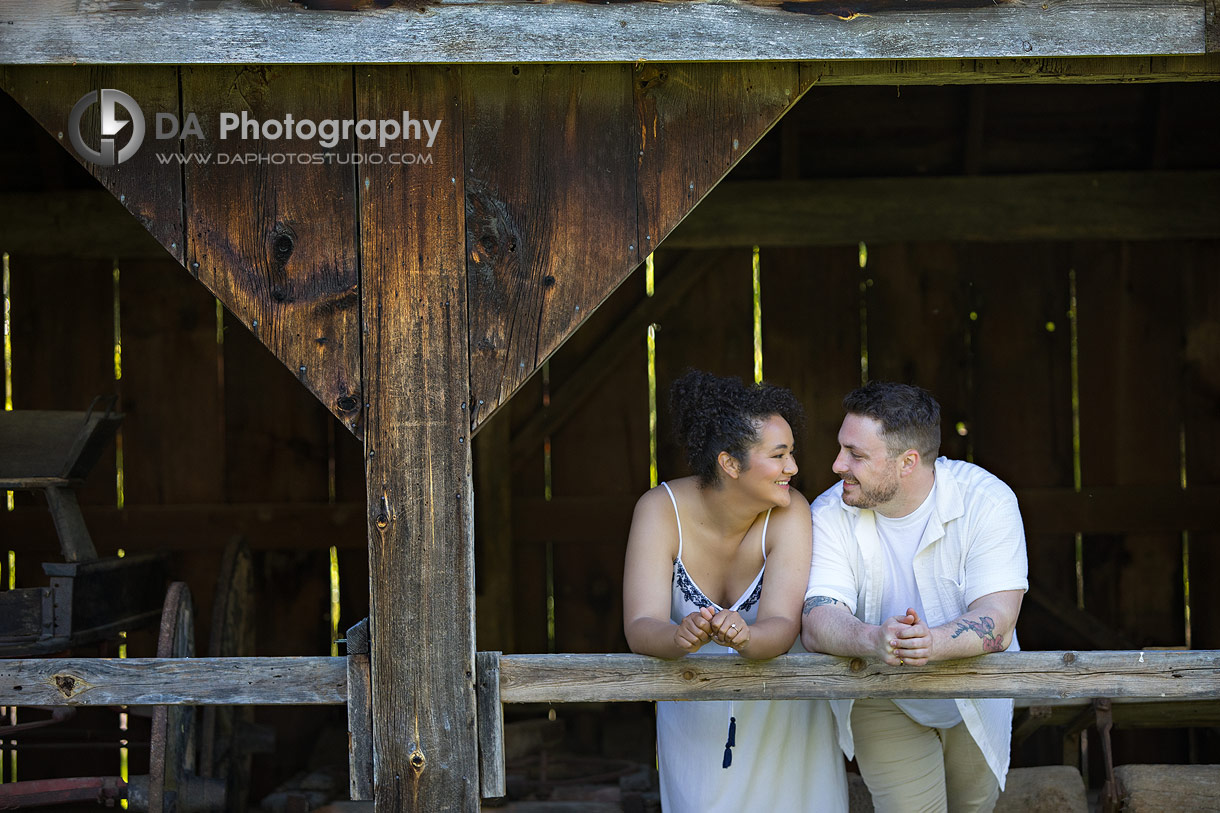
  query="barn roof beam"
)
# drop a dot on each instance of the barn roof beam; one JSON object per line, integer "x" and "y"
{"x": 987, "y": 208}
{"x": 91, "y": 223}
{"x": 452, "y": 31}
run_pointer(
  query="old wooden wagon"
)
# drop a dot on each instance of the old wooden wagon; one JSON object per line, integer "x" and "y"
{"x": 1016, "y": 205}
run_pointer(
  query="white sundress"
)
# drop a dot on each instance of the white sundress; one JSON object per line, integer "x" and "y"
{"x": 785, "y": 757}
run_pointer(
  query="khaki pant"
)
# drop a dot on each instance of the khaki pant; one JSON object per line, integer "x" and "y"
{"x": 909, "y": 767}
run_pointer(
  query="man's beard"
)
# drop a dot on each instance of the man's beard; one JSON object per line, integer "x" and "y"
{"x": 872, "y": 497}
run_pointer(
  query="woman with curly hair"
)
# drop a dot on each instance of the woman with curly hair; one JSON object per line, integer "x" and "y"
{"x": 717, "y": 563}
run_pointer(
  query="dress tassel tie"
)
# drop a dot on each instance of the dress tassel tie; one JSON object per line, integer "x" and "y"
{"x": 732, "y": 740}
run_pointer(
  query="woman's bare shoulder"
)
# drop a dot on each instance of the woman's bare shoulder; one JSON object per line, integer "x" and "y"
{"x": 797, "y": 505}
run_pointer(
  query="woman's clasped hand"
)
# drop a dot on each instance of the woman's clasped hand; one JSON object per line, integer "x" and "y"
{"x": 726, "y": 628}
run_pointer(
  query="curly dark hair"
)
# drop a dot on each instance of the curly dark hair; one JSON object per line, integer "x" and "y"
{"x": 713, "y": 415}
{"x": 909, "y": 416}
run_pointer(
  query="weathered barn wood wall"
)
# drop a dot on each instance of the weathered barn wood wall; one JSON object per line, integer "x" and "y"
{"x": 1146, "y": 315}
{"x": 215, "y": 431}
{"x": 449, "y": 314}
{"x": 990, "y": 327}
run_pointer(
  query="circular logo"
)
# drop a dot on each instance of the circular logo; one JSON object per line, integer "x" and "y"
{"x": 112, "y": 125}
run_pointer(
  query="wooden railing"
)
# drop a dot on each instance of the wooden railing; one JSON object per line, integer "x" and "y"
{"x": 1147, "y": 675}
{"x": 1024, "y": 676}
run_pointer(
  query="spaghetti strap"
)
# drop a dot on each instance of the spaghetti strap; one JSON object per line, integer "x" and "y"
{"x": 679, "y": 519}
{"x": 766, "y": 520}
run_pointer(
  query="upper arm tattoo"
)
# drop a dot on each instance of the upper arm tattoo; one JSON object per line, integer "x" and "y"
{"x": 817, "y": 601}
{"x": 983, "y": 628}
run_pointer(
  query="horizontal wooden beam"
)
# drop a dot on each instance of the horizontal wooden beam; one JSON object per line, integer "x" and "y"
{"x": 234, "y": 31}
{"x": 1084, "y": 206}
{"x": 590, "y": 678}
{"x": 1168, "y": 675}
{"x": 173, "y": 681}
{"x": 1118, "y": 509}
{"x": 265, "y": 526}
{"x": 1069, "y": 71}
{"x": 1132, "y": 713}
{"x": 1108, "y": 510}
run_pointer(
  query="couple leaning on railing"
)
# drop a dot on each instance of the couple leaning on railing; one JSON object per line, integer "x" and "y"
{"x": 909, "y": 559}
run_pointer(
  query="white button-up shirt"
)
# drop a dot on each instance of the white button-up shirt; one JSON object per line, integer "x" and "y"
{"x": 974, "y": 544}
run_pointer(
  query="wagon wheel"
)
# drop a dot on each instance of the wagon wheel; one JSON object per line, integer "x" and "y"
{"x": 221, "y": 751}
{"x": 172, "y": 750}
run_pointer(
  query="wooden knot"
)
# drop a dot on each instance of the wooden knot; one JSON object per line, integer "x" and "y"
{"x": 417, "y": 761}
{"x": 68, "y": 685}
{"x": 1069, "y": 657}
{"x": 857, "y": 664}
{"x": 347, "y": 403}
{"x": 688, "y": 675}
{"x": 282, "y": 247}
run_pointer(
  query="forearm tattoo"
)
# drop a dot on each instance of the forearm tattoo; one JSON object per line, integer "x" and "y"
{"x": 817, "y": 601}
{"x": 985, "y": 629}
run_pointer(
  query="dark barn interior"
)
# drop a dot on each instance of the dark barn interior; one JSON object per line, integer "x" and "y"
{"x": 1079, "y": 361}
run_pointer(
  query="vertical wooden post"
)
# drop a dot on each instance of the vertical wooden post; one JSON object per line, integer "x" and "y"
{"x": 359, "y": 714}
{"x": 492, "y": 775}
{"x": 421, "y": 553}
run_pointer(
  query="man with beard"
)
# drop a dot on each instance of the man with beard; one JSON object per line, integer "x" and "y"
{"x": 915, "y": 559}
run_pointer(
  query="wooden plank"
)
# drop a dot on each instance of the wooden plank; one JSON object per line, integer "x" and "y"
{"x": 1130, "y": 713}
{"x": 1095, "y": 510}
{"x": 1138, "y": 675}
{"x": 270, "y": 424}
{"x": 1067, "y": 622}
{"x": 285, "y": 262}
{"x": 994, "y": 208}
{"x": 359, "y": 713}
{"x": 781, "y": 213}
{"x": 695, "y": 121}
{"x": 571, "y": 392}
{"x": 150, "y": 190}
{"x": 1118, "y": 509}
{"x": 1130, "y": 346}
{"x": 1021, "y": 424}
{"x": 586, "y": 581}
{"x": 713, "y": 330}
{"x": 1200, "y": 406}
{"x": 811, "y": 344}
{"x": 550, "y": 228}
{"x": 421, "y": 550}
{"x": 206, "y": 526}
{"x": 63, "y": 311}
{"x": 175, "y": 32}
{"x": 611, "y": 678}
{"x": 492, "y": 774}
{"x": 921, "y": 284}
{"x": 565, "y": 520}
{"x": 21, "y": 619}
{"x": 173, "y": 681}
{"x": 1054, "y": 70}
{"x": 1130, "y": 419}
{"x": 74, "y": 541}
{"x": 171, "y": 380}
